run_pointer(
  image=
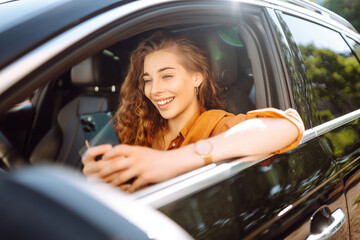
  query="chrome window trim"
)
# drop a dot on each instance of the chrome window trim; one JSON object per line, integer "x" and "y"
{"x": 308, "y": 135}
{"x": 179, "y": 187}
{"x": 170, "y": 191}
{"x": 337, "y": 122}
{"x": 10, "y": 75}
{"x": 314, "y": 17}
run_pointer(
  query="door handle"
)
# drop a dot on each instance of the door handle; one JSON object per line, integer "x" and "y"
{"x": 337, "y": 219}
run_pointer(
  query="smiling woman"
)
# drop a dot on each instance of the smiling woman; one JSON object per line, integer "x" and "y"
{"x": 170, "y": 101}
{"x": 171, "y": 89}
{"x": 165, "y": 72}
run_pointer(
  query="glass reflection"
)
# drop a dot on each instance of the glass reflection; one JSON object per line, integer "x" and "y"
{"x": 331, "y": 70}
{"x": 235, "y": 207}
{"x": 343, "y": 144}
{"x": 293, "y": 62}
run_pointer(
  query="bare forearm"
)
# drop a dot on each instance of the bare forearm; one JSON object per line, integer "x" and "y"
{"x": 260, "y": 136}
{"x": 254, "y": 137}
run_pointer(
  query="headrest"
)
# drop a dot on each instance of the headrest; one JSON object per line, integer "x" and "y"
{"x": 223, "y": 59}
{"x": 86, "y": 73}
{"x": 101, "y": 69}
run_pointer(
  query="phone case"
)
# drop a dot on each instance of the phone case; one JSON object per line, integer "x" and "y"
{"x": 98, "y": 129}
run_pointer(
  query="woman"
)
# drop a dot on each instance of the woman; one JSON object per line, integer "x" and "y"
{"x": 169, "y": 100}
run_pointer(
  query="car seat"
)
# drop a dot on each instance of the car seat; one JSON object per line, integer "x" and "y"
{"x": 63, "y": 141}
{"x": 232, "y": 69}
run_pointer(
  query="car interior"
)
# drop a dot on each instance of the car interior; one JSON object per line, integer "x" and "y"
{"x": 46, "y": 128}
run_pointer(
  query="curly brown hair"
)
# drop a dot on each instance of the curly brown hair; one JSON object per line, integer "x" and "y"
{"x": 138, "y": 120}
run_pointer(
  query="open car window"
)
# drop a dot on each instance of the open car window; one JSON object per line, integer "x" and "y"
{"x": 92, "y": 83}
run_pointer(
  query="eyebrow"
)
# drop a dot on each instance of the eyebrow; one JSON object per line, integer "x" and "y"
{"x": 160, "y": 70}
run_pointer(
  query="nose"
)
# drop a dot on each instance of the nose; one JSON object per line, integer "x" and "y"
{"x": 156, "y": 87}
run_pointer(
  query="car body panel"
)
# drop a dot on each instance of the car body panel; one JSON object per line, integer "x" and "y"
{"x": 237, "y": 204}
{"x": 343, "y": 144}
{"x": 45, "y": 19}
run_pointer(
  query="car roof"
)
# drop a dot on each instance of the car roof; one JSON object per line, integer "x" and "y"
{"x": 26, "y": 24}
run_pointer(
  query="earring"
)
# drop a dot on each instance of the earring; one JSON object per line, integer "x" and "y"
{"x": 197, "y": 90}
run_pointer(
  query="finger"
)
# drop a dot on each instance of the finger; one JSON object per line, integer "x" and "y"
{"x": 90, "y": 168}
{"x": 93, "y": 152}
{"x": 110, "y": 178}
{"x": 137, "y": 184}
{"x": 125, "y": 187}
{"x": 94, "y": 167}
{"x": 119, "y": 150}
{"x": 87, "y": 144}
{"x": 118, "y": 164}
{"x": 120, "y": 178}
{"x": 124, "y": 177}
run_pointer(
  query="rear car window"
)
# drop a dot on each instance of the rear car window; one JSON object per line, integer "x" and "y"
{"x": 332, "y": 72}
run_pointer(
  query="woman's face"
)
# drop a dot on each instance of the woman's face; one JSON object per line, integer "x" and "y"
{"x": 169, "y": 86}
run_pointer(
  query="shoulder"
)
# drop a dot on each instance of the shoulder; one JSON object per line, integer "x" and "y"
{"x": 225, "y": 120}
{"x": 204, "y": 125}
{"x": 210, "y": 123}
{"x": 220, "y": 120}
{"x": 216, "y": 113}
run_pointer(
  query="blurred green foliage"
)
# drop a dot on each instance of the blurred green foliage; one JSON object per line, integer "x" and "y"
{"x": 335, "y": 81}
{"x": 348, "y": 9}
{"x": 342, "y": 140}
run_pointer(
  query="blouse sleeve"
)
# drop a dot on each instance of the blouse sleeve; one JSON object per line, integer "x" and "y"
{"x": 290, "y": 114}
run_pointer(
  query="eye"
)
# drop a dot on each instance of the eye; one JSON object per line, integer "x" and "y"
{"x": 147, "y": 81}
{"x": 167, "y": 76}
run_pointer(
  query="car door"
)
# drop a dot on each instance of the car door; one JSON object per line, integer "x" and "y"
{"x": 349, "y": 161}
{"x": 343, "y": 145}
{"x": 299, "y": 195}
{"x": 238, "y": 201}
{"x": 331, "y": 71}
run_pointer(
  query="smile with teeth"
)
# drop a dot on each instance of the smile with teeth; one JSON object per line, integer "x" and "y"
{"x": 165, "y": 101}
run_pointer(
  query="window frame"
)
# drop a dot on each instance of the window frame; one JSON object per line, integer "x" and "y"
{"x": 186, "y": 184}
{"x": 319, "y": 22}
{"x": 347, "y": 38}
{"x": 105, "y": 34}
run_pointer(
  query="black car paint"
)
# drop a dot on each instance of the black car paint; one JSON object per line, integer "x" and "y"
{"x": 343, "y": 144}
{"x": 40, "y": 28}
{"x": 248, "y": 205}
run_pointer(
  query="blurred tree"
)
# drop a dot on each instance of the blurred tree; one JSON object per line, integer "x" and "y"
{"x": 335, "y": 81}
{"x": 348, "y": 9}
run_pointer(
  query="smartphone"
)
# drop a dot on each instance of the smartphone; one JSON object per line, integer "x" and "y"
{"x": 98, "y": 129}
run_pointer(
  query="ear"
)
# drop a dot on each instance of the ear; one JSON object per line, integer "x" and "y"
{"x": 198, "y": 79}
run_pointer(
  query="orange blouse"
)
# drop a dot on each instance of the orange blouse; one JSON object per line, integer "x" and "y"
{"x": 213, "y": 122}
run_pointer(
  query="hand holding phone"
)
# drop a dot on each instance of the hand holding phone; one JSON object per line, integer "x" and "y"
{"x": 98, "y": 129}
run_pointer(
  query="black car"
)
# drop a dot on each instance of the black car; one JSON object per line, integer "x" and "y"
{"x": 62, "y": 59}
